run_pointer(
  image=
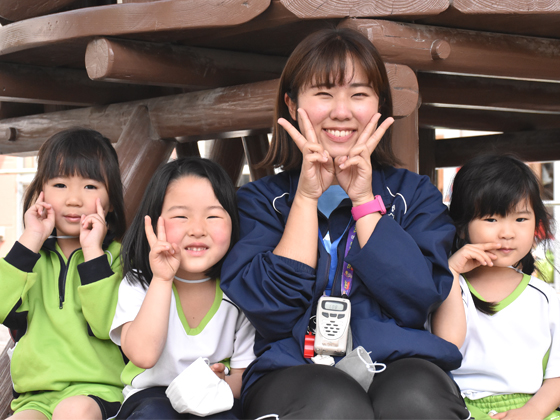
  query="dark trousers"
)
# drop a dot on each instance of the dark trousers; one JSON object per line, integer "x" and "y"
{"x": 407, "y": 389}
{"x": 152, "y": 403}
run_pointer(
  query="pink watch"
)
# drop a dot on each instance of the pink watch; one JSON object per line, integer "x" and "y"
{"x": 370, "y": 207}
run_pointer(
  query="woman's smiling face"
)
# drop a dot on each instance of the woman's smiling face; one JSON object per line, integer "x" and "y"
{"x": 340, "y": 113}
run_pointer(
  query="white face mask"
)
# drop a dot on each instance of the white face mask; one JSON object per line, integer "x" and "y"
{"x": 199, "y": 391}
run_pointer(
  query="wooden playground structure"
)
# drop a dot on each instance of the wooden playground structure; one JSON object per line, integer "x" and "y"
{"x": 159, "y": 75}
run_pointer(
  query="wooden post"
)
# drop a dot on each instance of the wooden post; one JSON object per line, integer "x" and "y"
{"x": 189, "y": 148}
{"x": 15, "y": 10}
{"x": 427, "y": 158}
{"x": 256, "y": 148}
{"x": 139, "y": 156}
{"x": 229, "y": 153}
{"x": 172, "y": 65}
{"x": 5, "y": 382}
{"x": 405, "y": 141}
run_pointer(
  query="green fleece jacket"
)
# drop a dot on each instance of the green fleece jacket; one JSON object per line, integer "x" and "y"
{"x": 62, "y": 310}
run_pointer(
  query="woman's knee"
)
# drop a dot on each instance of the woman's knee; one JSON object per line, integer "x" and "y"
{"x": 416, "y": 389}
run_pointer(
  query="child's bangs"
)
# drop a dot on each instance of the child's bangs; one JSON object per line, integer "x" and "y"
{"x": 77, "y": 164}
{"x": 501, "y": 197}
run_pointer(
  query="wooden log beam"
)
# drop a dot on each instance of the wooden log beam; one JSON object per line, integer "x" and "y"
{"x": 321, "y": 9}
{"x": 256, "y": 147}
{"x": 484, "y": 119}
{"x": 126, "y": 19}
{"x": 189, "y": 148}
{"x": 448, "y": 89}
{"x": 198, "y": 115}
{"x": 505, "y": 7}
{"x": 64, "y": 86}
{"x": 15, "y": 109}
{"x": 230, "y": 155}
{"x": 14, "y": 10}
{"x": 531, "y": 146}
{"x": 139, "y": 157}
{"x": 172, "y": 65}
{"x": 469, "y": 52}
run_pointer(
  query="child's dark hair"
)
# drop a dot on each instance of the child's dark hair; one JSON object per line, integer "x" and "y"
{"x": 495, "y": 184}
{"x": 86, "y": 153}
{"x": 135, "y": 250}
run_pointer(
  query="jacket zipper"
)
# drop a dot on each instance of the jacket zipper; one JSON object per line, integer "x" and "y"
{"x": 62, "y": 278}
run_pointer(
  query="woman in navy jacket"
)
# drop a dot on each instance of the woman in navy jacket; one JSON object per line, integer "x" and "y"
{"x": 339, "y": 178}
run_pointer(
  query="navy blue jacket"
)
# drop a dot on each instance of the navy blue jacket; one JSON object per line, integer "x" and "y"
{"x": 400, "y": 276}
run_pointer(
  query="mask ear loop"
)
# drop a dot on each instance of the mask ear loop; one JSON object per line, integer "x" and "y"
{"x": 372, "y": 367}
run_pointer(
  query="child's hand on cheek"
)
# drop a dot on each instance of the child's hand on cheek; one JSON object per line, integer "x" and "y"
{"x": 165, "y": 258}
{"x": 472, "y": 256}
{"x": 93, "y": 229}
{"x": 39, "y": 224}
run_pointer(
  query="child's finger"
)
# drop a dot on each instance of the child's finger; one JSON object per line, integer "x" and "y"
{"x": 99, "y": 207}
{"x": 150, "y": 234}
{"x": 161, "y": 230}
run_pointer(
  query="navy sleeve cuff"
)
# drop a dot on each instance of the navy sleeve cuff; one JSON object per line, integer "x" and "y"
{"x": 94, "y": 270}
{"x": 22, "y": 258}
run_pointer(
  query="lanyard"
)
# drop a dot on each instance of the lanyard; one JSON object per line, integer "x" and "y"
{"x": 347, "y": 270}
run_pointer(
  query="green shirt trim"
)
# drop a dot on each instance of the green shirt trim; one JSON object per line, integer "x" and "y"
{"x": 509, "y": 299}
{"x": 213, "y": 309}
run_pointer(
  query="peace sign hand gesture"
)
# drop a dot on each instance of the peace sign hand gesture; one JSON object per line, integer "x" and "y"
{"x": 165, "y": 258}
{"x": 354, "y": 171}
{"x": 317, "y": 169}
{"x": 93, "y": 229}
{"x": 39, "y": 224}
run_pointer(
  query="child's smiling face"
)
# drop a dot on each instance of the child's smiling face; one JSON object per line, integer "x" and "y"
{"x": 196, "y": 221}
{"x": 515, "y": 232}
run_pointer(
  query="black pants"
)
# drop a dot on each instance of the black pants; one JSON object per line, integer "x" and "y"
{"x": 152, "y": 404}
{"x": 407, "y": 389}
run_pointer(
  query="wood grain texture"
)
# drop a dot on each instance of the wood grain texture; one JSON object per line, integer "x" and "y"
{"x": 405, "y": 141}
{"x": 126, "y": 19}
{"x": 139, "y": 156}
{"x": 171, "y": 65}
{"x": 492, "y": 92}
{"x": 229, "y": 154}
{"x": 47, "y": 85}
{"x": 201, "y": 115}
{"x": 324, "y": 9}
{"x": 5, "y": 382}
{"x": 485, "y": 119}
{"x": 478, "y": 53}
{"x": 15, "y": 10}
{"x": 256, "y": 147}
{"x": 506, "y": 6}
{"x": 531, "y": 146}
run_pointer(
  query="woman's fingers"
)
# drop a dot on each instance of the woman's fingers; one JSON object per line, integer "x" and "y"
{"x": 307, "y": 126}
{"x": 376, "y": 137}
{"x": 296, "y": 136}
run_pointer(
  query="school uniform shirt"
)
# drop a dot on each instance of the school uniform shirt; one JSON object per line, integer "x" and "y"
{"x": 513, "y": 350}
{"x": 400, "y": 275}
{"x": 61, "y": 310}
{"x": 224, "y": 335}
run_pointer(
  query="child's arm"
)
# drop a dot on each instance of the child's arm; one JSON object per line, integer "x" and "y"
{"x": 143, "y": 339}
{"x": 449, "y": 321}
{"x": 234, "y": 378}
{"x": 543, "y": 403}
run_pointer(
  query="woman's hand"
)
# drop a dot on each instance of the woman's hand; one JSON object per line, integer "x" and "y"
{"x": 472, "y": 256}
{"x": 354, "y": 171}
{"x": 39, "y": 224}
{"x": 317, "y": 169}
{"x": 93, "y": 229}
{"x": 165, "y": 258}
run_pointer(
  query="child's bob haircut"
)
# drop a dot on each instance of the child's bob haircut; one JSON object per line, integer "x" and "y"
{"x": 136, "y": 249}
{"x": 495, "y": 184}
{"x": 86, "y": 153}
{"x": 321, "y": 59}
